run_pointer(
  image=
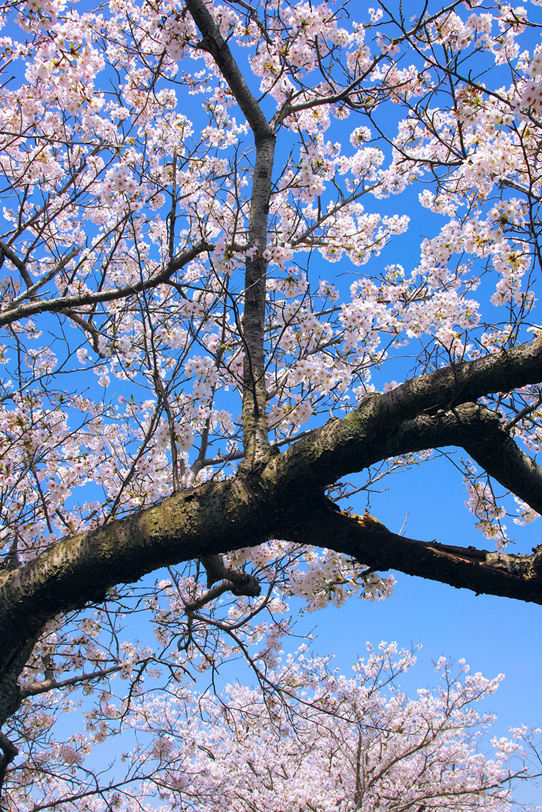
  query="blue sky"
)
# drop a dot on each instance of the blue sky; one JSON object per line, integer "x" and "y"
{"x": 494, "y": 635}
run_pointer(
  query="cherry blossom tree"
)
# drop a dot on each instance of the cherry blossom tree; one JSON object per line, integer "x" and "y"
{"x": 187, "y": 385}
{"x": 314, "y": 740}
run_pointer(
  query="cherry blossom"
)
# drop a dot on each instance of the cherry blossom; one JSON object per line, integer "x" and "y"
{"x": 204, "y": 266}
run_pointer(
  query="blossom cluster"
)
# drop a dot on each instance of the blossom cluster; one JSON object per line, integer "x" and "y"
{"x": 314, "y": 737}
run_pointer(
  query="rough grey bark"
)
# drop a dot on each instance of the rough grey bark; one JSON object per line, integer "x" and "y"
{"x": 255, "y": 431}
{"x": 282, "y": 496}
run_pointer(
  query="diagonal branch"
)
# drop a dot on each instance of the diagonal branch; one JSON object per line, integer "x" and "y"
{"x": 481, "y": 433}
{"x": 379, "y": 427}
{"x": 32, "y": 289}
{"x": 213, "y": 42}
{"x": 502, "y": 458}
{"x": 10, "y": 315}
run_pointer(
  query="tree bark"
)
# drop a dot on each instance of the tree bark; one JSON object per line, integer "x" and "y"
{"x": 283, "y": 497}
{"x": 255, "y": 432}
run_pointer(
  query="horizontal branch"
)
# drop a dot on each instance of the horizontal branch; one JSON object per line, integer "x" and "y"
{"x": 482, "y": 571}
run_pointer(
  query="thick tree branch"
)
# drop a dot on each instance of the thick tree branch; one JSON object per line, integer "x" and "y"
{"x": 238, "y": 581}
{"x": 461, "y": 383}
{"x": 9, "y": 751}
{"x": 479, "y": 431}
{"x": 484, "y": 572}
{"x": 213, "y": 42}
{"x": 283, "y": 498}
{"x": 378, "y": 428}
{"x": 498, "y": 454}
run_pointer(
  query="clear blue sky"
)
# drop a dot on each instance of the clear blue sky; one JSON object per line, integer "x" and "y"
{"x": 494, "y": 635}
